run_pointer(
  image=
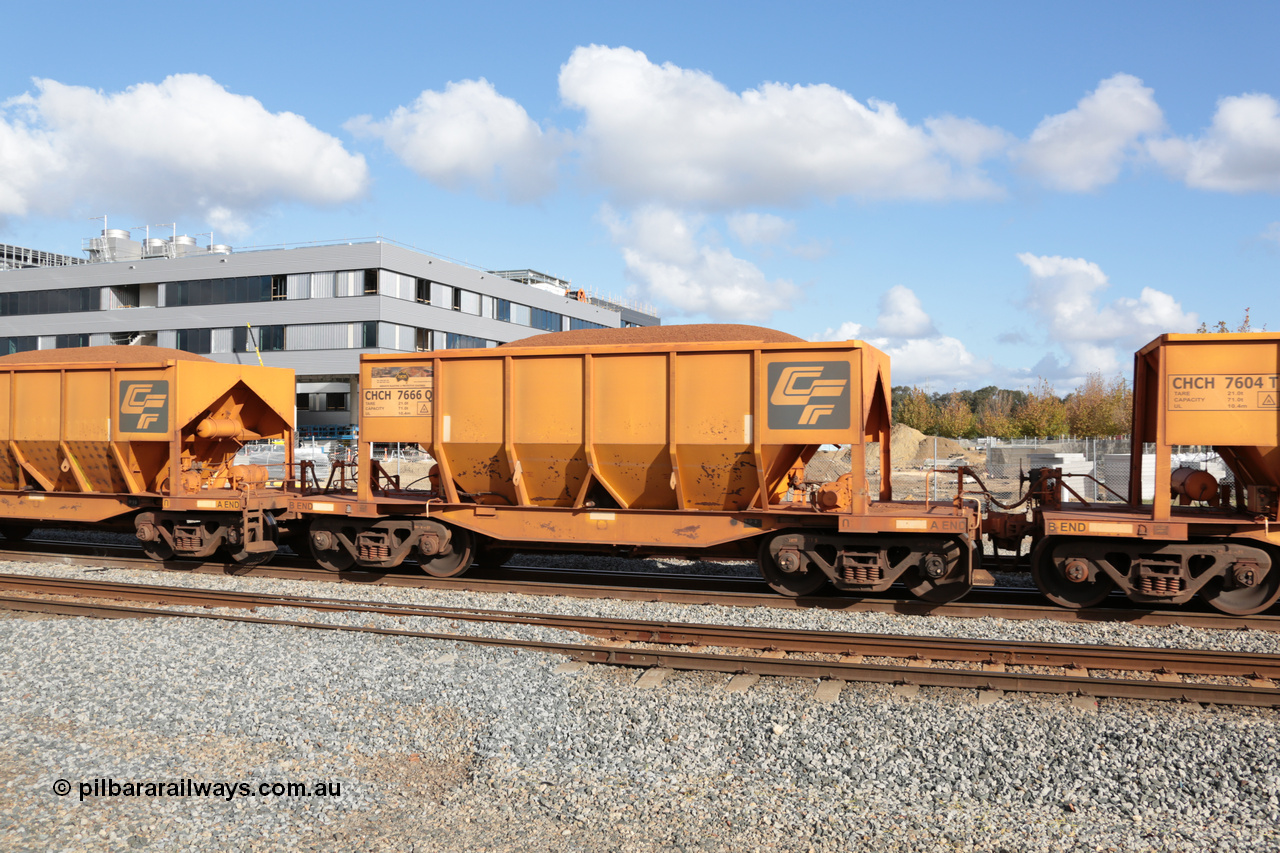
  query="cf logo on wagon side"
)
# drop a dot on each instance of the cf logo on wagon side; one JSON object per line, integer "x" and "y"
{"x": 809, "y": 395}
{"x": 144, "y": 406}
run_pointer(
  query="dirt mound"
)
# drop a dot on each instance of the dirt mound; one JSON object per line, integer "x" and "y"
{"x": 904, "y": 442}
{"x": 945, "y": 448}
{"x": 690, "y": 333}
{"x": 115, "y": 354}
{"x": 909, "y": 446}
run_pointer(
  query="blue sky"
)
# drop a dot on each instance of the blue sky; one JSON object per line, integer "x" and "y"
{"x": 989, "y": 192}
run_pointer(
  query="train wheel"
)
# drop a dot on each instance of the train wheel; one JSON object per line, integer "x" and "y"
{"x": 1071, "y": 582}
{"x": 15, "y": 532}
{"x": 1243, "y": 600}
{"x": 247, "y": 560}
{"x": 328, "y": 550}
{"x": 804, "y": 579}
{"x": 939, "y": 592}
{"x": 933, "y": 581}
{"x": 158, "y": 550}
{"x": 457, "y": 561}
{"x": 333, "y": 561}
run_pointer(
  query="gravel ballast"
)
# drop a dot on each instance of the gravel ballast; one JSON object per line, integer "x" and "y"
{"x": 447, "y": 746}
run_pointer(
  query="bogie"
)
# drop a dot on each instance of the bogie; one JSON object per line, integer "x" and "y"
{"x": 1232, "y": 576}
{"x": 934, "y": 568}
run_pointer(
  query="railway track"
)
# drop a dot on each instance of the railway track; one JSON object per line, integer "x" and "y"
{"x": 1008, "y": 603}
{"x": 1097, "y": 671}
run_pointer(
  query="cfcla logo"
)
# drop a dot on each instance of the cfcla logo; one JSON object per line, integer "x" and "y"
{"x": 144, "y": 406}
{"x": 799, "y": 385}
{"x": 814, "y": 394}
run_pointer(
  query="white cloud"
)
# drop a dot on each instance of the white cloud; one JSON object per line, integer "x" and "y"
{"x": 967, "y": 140}
{"x": 846, "y": 331}
{"x": 1239, "y": 153}
{"x": 902, "y": 315}
{"x": 928, "y": 360}
{"x": 680, "y": 137}
{"x": 756, "y": 229}
{"x": 185, "y": 145}
{"x": 470, "y": 136}
{"x": 1085, "y": 148}
{"x": 918, "y": 352}
{"x": 1063, "y": 295}
{"x": 671, "y": 265}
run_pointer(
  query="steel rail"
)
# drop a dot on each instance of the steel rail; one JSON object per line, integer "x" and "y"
{"x": 115, "y": 557}
{"x": 694, "y": 661}
{"x": 1013, "y": 652}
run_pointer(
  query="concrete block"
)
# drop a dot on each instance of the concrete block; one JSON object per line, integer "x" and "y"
{"x": 828, "y": 691}
{"x": 653, "y": 678}
{"x": 1084, "y": 703}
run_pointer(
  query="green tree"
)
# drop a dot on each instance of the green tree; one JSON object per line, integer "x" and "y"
{"x": 1120, "y": 395}
{"x": 1089, "y": 412}
{"x": 914, "y": 409}
{"x": 1221, "y": 327}
{"x": 952, "y": 416}
{"x": 995, "y": 417}
{"x": 1043, "y": 414}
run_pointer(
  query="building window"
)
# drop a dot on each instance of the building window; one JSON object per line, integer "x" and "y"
{"x": 304, "y": 403}
{"x": 221, "y": 291}
{"x": 466, "y": 301}
{"x": 271, "y": 338}
{"x": 267, "y": 339}
{"x": 23, "y": 343}
{"x": 575, "y": 323}
{"x": 195, "y": 340}
{"x": 547, "y": 321}
{"x": 464, "y": 342}
{"x": 335, "y": 402}
{"x": 67, "y": 341}
{"x": 422, "y": 292}
{"x": 279, "y": 287}
{"x": 441, "y": 295}
{"x": 369, "y": 334}
{"x": 370, "y": 282}
{"x": 51, "y": 301}
{"x": 422, "y": 340}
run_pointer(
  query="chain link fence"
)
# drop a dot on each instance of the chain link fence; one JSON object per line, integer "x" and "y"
{"x": 1098, "y": 470}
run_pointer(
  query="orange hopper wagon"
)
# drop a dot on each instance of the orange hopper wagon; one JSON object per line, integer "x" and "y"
{"x": 142, "y": 438}
{"x": 684, "y": 440}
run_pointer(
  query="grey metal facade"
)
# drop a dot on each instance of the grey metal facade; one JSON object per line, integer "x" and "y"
{"x": 316, "y": 320}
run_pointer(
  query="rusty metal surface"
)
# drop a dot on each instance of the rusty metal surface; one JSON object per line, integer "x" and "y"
{"x": 132, "y": 427}
{"x": 692, "y": 661}
{"x": 653, "y": 426}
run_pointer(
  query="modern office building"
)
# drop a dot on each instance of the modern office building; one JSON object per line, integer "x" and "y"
{"x": 312, "y": 308}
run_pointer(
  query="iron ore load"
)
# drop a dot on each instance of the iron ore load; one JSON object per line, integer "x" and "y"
{"x": 697, "y": 441}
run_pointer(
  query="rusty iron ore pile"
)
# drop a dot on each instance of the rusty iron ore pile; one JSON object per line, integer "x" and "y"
{"x": 449, "y": 746}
